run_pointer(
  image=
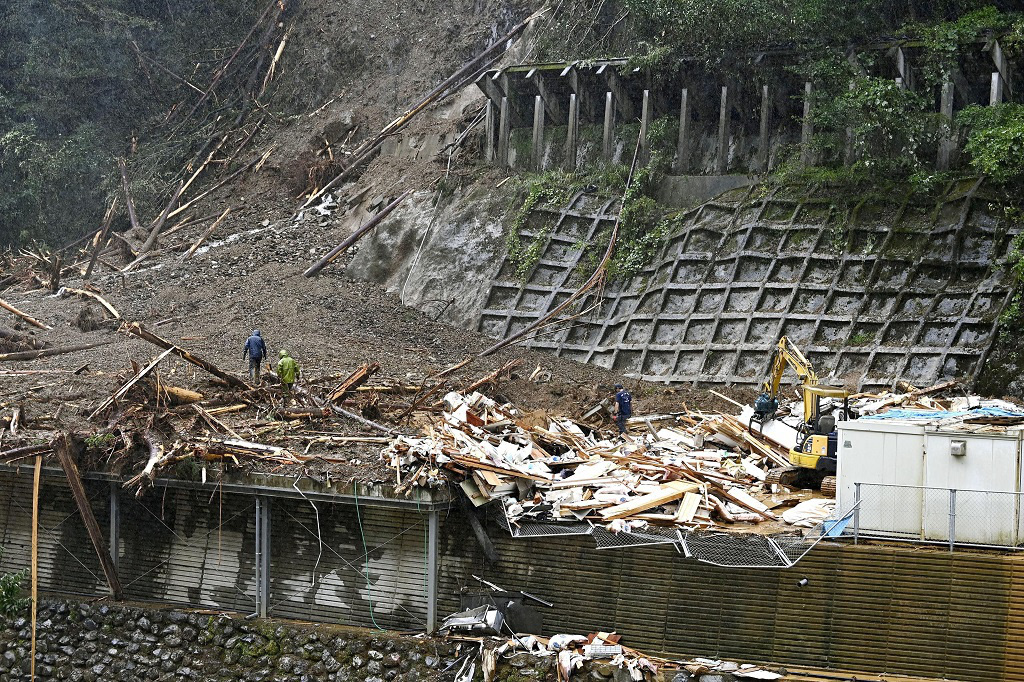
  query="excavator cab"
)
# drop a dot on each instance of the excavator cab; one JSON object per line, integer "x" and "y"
{"x": 817, "y": 442}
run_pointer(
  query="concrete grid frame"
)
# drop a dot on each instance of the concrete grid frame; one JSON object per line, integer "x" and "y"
{"x": 910, "y": 291}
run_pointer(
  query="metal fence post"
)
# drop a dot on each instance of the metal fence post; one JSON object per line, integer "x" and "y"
{"x": 856, "y": 512}
{"x": 952, "y": 518}
{"x": 115, "y": 522}
{"x": 432, "y": 571}
{"x": 262, "y": 555}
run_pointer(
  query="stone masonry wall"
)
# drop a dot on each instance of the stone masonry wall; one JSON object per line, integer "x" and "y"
{"x": 86, "y": 642}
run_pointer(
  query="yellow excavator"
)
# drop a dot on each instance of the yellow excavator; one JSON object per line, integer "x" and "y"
{"x": 814, "y": 456}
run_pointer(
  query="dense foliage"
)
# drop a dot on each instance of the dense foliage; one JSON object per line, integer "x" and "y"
{"x": 83, "y": 82}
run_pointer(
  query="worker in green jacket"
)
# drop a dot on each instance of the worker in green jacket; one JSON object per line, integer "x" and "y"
{"x": 287, "y": 372}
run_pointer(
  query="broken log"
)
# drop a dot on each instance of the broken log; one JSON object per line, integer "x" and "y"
{"x": 96, "y": 297}
{"x": 121, "y": 392}
{"x": 136, "y": 329}
{"x": 127, "y": 195}
{"x": 205, "y": 235}
{"x": 354, "y": 381}
{"x": 217, "y": 425}
{"x": 303, "y": 412}
{"x": 12, "y": 337}
{"x": 159, "y": 224}
{"x": 365, "y": 422}
{"x": 368, "y": 148}
{"x": 493, "y": 376}
{"x": 355, "y": 236}
{"x": 24, "y": 451}
{"x": 181, "y": 396}
{"x": 62, "y": 446}
{"x": 47, "y": 352}
{"x": 23, "y": 315}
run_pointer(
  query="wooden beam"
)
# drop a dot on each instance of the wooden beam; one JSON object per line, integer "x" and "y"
{"x": 668, "y": 492}
{"x": 35, "y": 561}
{"x": 62, "y": 446}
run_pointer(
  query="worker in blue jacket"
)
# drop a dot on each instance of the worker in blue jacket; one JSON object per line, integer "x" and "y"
{"x": 623, "y": 408}
{"x": 256, "y": 350}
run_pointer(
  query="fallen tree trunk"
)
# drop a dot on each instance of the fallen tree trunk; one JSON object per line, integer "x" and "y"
{"x": 205, "y": 235}
{"x": 25, "y": 451}
{"x": 12, "y": 336}
{"x": 136, "y": 329}
{"x": 355, "y": 236}
{"x": 121, "y": 392}
{"x": 47, "y": 352}
{"x": 96, "y": 297}
{"x": 155, "y": 232}
{"x": 368, "y": 148}
{"x": 181, "y": 396}
{"x": 62, "y": 446}
{"x": 365, "y": 422}
{"x": 127, "y": 195}
{"x": 23, "y": 315}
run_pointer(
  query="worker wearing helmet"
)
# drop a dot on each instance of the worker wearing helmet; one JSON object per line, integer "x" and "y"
{"x": 288, "y": 372}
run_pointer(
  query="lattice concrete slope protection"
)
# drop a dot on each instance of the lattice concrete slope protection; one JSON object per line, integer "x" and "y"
{"x": 912, "y": 291}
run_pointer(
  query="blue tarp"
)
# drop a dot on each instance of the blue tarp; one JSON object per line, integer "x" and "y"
{"x": 935, "y": 415}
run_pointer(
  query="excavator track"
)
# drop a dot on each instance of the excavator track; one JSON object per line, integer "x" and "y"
{"x": 828, "y": 486}
{"x": 797, "y": 478}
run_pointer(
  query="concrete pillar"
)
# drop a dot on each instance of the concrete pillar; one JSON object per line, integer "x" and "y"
{"x": 807, "y": 130}
{"x": 945, "y": 127}
{"x": 906, "y": 78}
{"x": 537, "y": 162}
{"x": 683, "y": 143}
{"x": 995, "y": 95}
{"x": 645, "y": 124}
{"x": 764, "y": 153}
{"x": 115, "y": 523}
{"x": 503, "y": 133}
{"x": 722, "y": 157}
{"x": 432, "y": 572}
{"x": 262, "y": 555}
{"x": 489, "y": 132}
{"x": 609, "y": 126}
{"x": 1002, "y": 66}
{"x": 572, "y": 134}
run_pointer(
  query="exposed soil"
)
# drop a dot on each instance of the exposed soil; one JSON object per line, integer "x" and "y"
{"x": 348, "y": 72}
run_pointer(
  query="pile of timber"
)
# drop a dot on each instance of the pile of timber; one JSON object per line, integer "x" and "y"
{"x": 698, "y": 472}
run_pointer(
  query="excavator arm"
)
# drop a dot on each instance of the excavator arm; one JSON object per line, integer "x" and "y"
{"x": 785, "y": 355}
{"x": 788, "y": 355}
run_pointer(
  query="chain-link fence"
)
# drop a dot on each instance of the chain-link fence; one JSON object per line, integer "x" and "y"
{"x": 938, "y": 515}
{"x": 730, "y": 549}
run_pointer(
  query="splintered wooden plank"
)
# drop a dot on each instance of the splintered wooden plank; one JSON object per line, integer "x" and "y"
{"x": 666, "y": 493}
{"x": 688, "y": 507}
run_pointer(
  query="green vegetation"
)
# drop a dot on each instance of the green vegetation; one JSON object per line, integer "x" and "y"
{"x": 12, "y": 602}
{"x": 76, "y": 93}
{"x": 995, "y": 141}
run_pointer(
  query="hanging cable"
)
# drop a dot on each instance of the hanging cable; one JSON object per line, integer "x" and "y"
{"x": 366, "y": 555}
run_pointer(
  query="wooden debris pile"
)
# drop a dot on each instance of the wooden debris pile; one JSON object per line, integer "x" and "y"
{"x": 694, "y": 471}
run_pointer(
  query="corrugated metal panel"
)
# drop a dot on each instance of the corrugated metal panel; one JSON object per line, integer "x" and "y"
{"x": 323, "y": 576}
{"x": 67, "y": 560}
{"x": 898, "y": 610}
{"x": 185, "y": 547}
